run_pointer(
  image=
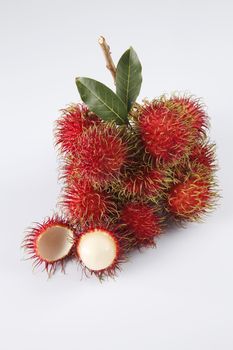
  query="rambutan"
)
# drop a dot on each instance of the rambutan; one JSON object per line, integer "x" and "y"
{"x": 50, "y": 243}
{"x": 203, "y": 154}
{"x": 74, "y": 120}
{"x": 101, "y": 153}
{"x": 84, "y": 203}
{"x": 98, "y": 250}
{"x": 169, "y": 128}
{"x": 191, "y": 199}
{"x": 144, "y": 183}
{"x": 141, "y": 224}
{"x": 191, "y": 108}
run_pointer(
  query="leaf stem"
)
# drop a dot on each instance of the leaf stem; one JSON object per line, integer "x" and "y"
{"x": 107, "y": 54}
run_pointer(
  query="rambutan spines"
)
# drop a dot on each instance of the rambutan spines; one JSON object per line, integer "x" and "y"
{"x": 191, "y": 199}
{"x": 169, "y": 128}
{"x": 193, "y": 109}
{"x": 98, "y": 250}
{"x": 74, "y": 120}
{"x": 140, "y": 224}
{"x": 145, "y": 183}
{"x": 101, "y": 152}
{"x": 50, "y": 243}
{"x": 84, "y": 203}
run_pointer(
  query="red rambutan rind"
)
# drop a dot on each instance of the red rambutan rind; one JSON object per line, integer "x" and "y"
{"x": 203, "y": 154}
{"x": 192, "y": 108}
{"x": 144, "y": 183}
{"x": 140, "y": 224}
{"x": 84, "y": 203}
{"x": 101, "y": 152}
{"x": 98, "y": 250}
{"x": 168, "y": 129}
{"x": 191, "y": 199}
{"x": 50, "y": 243}
{"x": 74, "y": 120}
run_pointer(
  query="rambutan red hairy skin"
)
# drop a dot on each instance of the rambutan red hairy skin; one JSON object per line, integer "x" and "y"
{"x": 140, "y": 224}
{"x": 101, "y": 152}
{"x": 193, "y": 108}
{"x": 74, "y": 120}
{"x": 84, "y": 203}
{"x": 50, "y": 243}
{"x": 98, "y": 250}
{"x": 192, "y": 199}
{"x": 168, "y": 129}
{"x": 145, "y": 183}
{"x": 203, "y": 154}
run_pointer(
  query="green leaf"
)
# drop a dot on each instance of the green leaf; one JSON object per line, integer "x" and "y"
{"x": 128, "y": 77}
{"x": 102, "y": 101}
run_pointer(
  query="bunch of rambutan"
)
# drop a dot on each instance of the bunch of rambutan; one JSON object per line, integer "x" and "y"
{"x": 127, "y": 170}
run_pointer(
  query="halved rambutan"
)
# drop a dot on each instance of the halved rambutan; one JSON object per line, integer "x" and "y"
{"x": 169, "y": 129}
{"x": 98, "y": 250}
{"x": 141, "y": 224}
{"x": 84, "y": 203}
{"x": 74, "y": 120}
{"x": 50, "y": 243}
{"x": 101, "y": 152}
{"x": 191, "y": 199}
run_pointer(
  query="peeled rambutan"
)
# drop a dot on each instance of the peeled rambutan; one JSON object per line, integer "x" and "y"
{"x": 191, "y": 199}
{"x": 74, "y": 120}
{"x": 141, "y": 224}
{"x": 101, "y": 153}
{"x": 84, "y": 203}
{"x": 50, "y": 243}
{"x": 98, "y": 250}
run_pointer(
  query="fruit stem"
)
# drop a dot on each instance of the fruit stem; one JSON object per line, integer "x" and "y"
{"x": 107, "y": 54}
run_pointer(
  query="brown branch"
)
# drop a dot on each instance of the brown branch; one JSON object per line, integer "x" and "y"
{"x": 107, "y": 54}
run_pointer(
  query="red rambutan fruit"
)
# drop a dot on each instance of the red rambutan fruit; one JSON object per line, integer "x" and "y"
{"x": 84, "y": 203}
{"x": 101, "y": 153}
{"x": 193, "y": 198}
{"x": 98, "y": 250}
{"x": 203, "y": 154}
{"x": 145, "y": 182}
{"x": 191, "y": 108}
{"x": 50, "y": 243}
{"x": 141, "y": 225}
{"x": 168, "y": 130}
{"x": 74, "y": 120}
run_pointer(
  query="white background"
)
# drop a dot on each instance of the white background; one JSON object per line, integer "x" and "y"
{"x": 178, "y": 296}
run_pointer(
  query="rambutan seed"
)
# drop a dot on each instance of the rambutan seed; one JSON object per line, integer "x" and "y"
{"x": 98, "y": 250}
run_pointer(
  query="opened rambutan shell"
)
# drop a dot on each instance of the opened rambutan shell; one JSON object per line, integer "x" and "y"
{"x": 190, "y": 200}
{"x": 140, "y": 224}
{"x": 84, "y": 203}
{"x": 50, "y": 243}
{"x": 98, "y": 250}
{"x": 101, "y": 152}
{"x": 74, "y": 120}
